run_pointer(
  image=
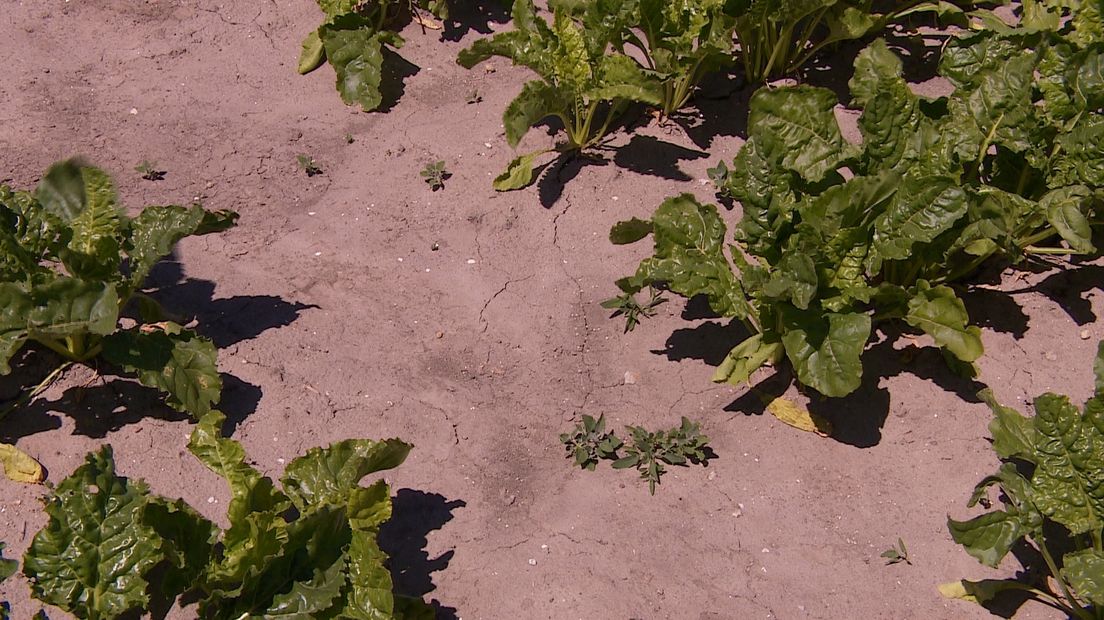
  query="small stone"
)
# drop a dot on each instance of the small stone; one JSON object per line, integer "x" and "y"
{"x": 1050, "y": 356}
{"x": 532, "y": 562}
{"x": 1084, "y": 334}
{"x": 134, "y": 110}
{"x": 440, "y": 335}
{"x": 712, "y": 476}
{"x": 435, "y": 247}
{"x": 471, "y": 261}
{"x": 631, "y": 377}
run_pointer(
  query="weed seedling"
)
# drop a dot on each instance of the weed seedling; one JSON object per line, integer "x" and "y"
{"x": 349, "y": 139}
{"x": 718, "y": 175}
{"x": 435, "y": 174}
{"x": 893, "y": 555}
{"x": 590, "y": 442}
{"x": 649, "y": 451}
{"x": 149, "y": 171}
{"x": 473, "y": 97}
{"x": 627, "y": 305}
{"x": 308, "y": 165}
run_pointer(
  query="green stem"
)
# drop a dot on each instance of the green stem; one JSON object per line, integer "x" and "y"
{"x": 1053, "y": 566}
{"x": 27, "y": 397}
{"x": 1048, "y": 251}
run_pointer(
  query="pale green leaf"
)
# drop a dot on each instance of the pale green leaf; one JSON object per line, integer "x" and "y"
{"x": 825, "y": 347}
{"x": 988, "y": 537}
{"x": 1084, "y": 570}
{"x": 313, "y": 54}
{"x": 942, "y": 315}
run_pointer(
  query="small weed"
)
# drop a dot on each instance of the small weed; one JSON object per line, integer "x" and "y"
{"x": 627, "y": 305}
{"x": 308, "y": 165}
{"x": 893, "y": 555}
{"x": 349, "y": 139}
{"x": 718, "y": 175}
{"x": 149, "y": 171}
{"x": 648, "y": 452}
{"x": 435, "y": 174}
{"x": 473, "y": 97}
{"x": 590, "y": 442}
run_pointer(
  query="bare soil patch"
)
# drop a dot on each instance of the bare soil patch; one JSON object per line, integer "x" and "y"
{"x": 358, "y": 303}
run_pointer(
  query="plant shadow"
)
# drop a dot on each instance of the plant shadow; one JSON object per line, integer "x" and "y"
{"x": 474, "y": 16}
{"x": 225, "y": 321}
{"x": 404, "y": 537}
{"x": 652, "y": 156}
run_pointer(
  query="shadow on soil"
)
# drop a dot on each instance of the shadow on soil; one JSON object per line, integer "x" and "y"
{"x": 404, "y": 537}
{"x": 110, "y": 401}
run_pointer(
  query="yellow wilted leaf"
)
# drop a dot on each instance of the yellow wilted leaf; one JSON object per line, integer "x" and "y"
{"x": 20, "y": 467}
{"x": 427, "y": 22}
{"x": 799, "y": 417}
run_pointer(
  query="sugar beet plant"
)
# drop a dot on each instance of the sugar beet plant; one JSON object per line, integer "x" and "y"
{"x": 309, "y": 550}
{"x": 71, "y": 261}
{"x": 352, "y": 39}
{"x": 1050, "y": 485}
{"x": 836, "y": 237}
{"x": 579, "y": 83}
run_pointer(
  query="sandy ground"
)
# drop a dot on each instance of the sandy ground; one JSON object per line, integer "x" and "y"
{"x": 358, "y": 303}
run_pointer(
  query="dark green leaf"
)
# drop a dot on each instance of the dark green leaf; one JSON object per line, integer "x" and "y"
{"x": 824, "y": 348}
{"x": 1069, "y": 480}
{"x": 942, "y": 315}
{"x": 1013, "y": 434}
{"x": 630, "y": 231}
{"x": 1084, "y": 570}
{"x": 796, "y": 127}
{"x": 176, "y": 361}
{"x": 92, "y": 556}
{"x": 355, "y": 51}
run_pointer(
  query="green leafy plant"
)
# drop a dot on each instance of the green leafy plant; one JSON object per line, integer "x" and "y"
{"x": 837, "y": 237}
{"x": 897, "y": 554}
{"x": 627, "y": 305}
{"x": 1049, "y": 483}
{"x": 678, "y": 42}
{"x": 776, "y": 37}
{"x": 308, "y": 165}
{"x": 649, "y": 451}
{"x": 435, "y": 175}
{"x": 309, "y": 550}
{"x": 590, "y": 442}
{"x": 580, "y": 83}
{"x": 71, "y": 261}
{"x": 149, "y": 171}
{"x": 352, "y": 39}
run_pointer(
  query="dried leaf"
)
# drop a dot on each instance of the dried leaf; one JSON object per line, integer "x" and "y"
{"x": 799, "y": 417}
{"x": 19, "y": 467}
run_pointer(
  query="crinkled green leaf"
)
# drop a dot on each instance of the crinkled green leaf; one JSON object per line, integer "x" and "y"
{"x": 328, "y": 475}
{"x": 187, "y": 542}
{"x": 824, "y": 348}
{"x": 1085, "y": 572}
{"x": 68, "y": 306}
{"x": 369, "y": 596}
{"x": 796, "y": 127}
{"x": 1013, "y": 434}
{"x": 93, "y": 249}
{"x": 1069, "y": 480}
{"x": 689, "y": 255}
{"x": 921, "y": 210}
{"x": 92, "y": 556}
{"x": 988, "y": 537}
{"x": 942, "y": 315}
{"x": 176, "y": 361}
{"x": 621, "y": 78}
{"x": 309, "y": 599}
{"x": 1080, "y": 159}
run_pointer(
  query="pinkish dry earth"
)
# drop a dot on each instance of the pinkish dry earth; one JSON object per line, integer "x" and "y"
{"x": 358, "y": 303}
